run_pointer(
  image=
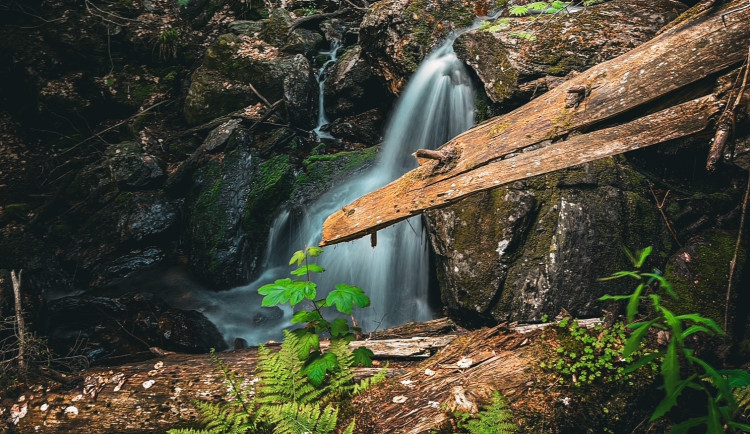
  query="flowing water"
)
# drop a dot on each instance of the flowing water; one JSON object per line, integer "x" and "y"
{"x": 437, "y": 104}
{"x": 320, "y": 77}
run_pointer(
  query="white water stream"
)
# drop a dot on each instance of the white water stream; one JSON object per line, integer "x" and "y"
{"x": 437, "y": 104}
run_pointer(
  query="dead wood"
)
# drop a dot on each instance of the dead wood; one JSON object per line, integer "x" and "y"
{"x": 490, "y": 154}
{"x": 318, "y": 17}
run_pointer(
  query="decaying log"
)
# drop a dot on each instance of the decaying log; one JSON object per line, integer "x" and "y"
{"x": 491, "y": 154}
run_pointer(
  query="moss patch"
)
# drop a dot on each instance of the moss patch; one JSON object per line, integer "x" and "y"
{"x": 320, "y": 171}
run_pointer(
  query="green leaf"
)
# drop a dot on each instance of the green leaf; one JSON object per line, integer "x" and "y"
{"x": 298, "y": 257}
{"x": 309, "y": 291}
{"x": 275, "y": 293}
{"x": 736, "y": 377}
{"x": 620, "y": 274}
{"x": 318, "y": 365}
{"x": 741, "y": 426}
{"x": 695, "y": 329}
{"x": 674, "y": 324}
{"x": 699, "y": 319}
{"x": 663, "y": 283}
{"x": 717, "y": 379}
{"x": 538, "y": 6}
{"x": 635, "y": 300}
{"x": 305, "y": 316}
{"x": 518, "y": 10}
{"x": 629, "y": 255}
{"x": 683, "y": 427}
{"x": 635, "y": 339}
{"x": 308, "y": 342}
{"x": 642, "y": 256}
{"x": 670, "y": 367}
{"x": 313, "y": 251}
{"x": 714, "y": 424}
{"x": 363, "y": 357}
{"x": 614, "y": 297}
{"x": 643, "y": 361}
{"x": 345, "y": 296}
{"x": 339, "y": 327}
{"x": 309, "y": 268}
{"x": 558, "y": 5}
{"x": 670, "y": 400}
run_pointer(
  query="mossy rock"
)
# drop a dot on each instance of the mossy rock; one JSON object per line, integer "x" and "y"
{"x": 699, "y": 274}
{"x": 537, "y": 246}
{"x": 322, "y": 171}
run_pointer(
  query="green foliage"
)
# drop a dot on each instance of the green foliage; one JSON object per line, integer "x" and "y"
{"x": 166, "y": 44}
{"x": 538, "y": 7}
{"x": 680, "y": 368}
{"x": 496, "y": 418}
{"x": 298, "y": 387}
{"x": 591, "y": 356}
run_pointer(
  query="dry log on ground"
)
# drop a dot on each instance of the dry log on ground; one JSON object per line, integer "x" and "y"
{"x": 540, "y": 137}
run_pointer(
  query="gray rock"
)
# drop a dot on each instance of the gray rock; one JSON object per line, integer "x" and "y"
{"x": 351, "y": 86}
{"x": 535, "y": 247}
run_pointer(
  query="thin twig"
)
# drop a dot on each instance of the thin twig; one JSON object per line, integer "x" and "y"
{"x": 733, "y": 263}
{"x": 660, "y": 207}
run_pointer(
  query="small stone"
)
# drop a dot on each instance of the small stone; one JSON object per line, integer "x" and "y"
{"x": 399, "y": 399}
{"x": 429, "y": 372}
{"x": 148, "y": 383}
{"x": 407, "y": 383}
{"x": 44, "y": 407}
{"x": 71, "y": 410}
{"x": 464, "y": 363}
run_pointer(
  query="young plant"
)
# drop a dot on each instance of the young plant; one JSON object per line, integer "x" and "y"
{"x": 495, "y": 418}
{"x": 343, "y": 298}
{"x": 680, "y": 368}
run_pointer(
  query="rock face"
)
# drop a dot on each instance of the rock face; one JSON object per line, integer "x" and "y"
{"x": 502, "y": 60}
{"x": 396, "y": 35}
{"x": 519, "y": 252}
{"x": 270, "y": 61}
{"x": 351, "y": 86}
{"x": 104, "y": 328}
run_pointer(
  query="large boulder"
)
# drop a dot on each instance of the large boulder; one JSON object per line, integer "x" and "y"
{"x": 562, "y": 44}
{"x": 396, "y": 35}
{"x": 351, "y": 85}
{"x": 538, "y": 246}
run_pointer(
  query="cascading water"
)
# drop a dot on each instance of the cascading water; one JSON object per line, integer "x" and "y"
{"x": 437, "y": 104}
{"x": 321, "y": 79}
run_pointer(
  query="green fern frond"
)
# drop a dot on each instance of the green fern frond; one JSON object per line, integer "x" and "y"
{"x": 282, "y": 380}
{"x": 303, "y": 419}
{"x": 371, "y": 381}
{"x": 742, "y": 396}
{"x": 341, "y": 380}
{"x": 497, "y": 418}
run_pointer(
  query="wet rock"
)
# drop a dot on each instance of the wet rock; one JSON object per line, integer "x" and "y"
{"x": 267, "y": 314}
{"x": 232, "y": 64}
{"x": 137, "y": 261}
{"x": 396, "y": 35}
{"x": 230, "y": 207}
{"x": 245, "y": 27}
{"x": 363, "y": 128}
{"x": 516, "y": 252}
{"x": 104, "y": 328}
{"x": 562, "y": 44}
{"x": 351, "y": 86}
{"x": 300, "y": 92}
{"x": 321, "y": 172}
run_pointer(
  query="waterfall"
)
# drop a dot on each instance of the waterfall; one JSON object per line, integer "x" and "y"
{"x": 320, "y": 77}
{"x": 436, "y": 105}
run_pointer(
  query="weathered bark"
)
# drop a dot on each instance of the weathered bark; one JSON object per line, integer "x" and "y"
{"x": 488, "y": 155}
{"x": 20, "y": 326}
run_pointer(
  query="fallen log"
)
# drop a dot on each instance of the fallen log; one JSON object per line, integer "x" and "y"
{"x": 492, "y": 153}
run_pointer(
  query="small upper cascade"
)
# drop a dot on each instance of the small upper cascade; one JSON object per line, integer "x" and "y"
{"x": 321, "y": 76}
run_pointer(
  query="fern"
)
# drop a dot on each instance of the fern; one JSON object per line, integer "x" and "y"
{"x": 742, "y": 396}
{"x": 282, "y": 379}
{"x": 370, "y": 381}
{"x": 497, "y": 418}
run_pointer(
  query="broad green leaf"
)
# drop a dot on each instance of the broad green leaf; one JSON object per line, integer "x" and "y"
{"x": 683, "y": 427}
{"x": 670, "y": 400}
{"x": 309, "y": 268}
{"x": 363, "y": 357}
{"x": 643, "y": 361}
{"x": 635, "y": 300}
{"x": 339, "y": 327}
{"x": 635, "y": 339}
{"x": 317, "y": 367}
{"x": 700, "y": 319}
{"x": 305, "y": 316}
{"x": 275, "y": 293}
{"x": 309, "y": 290}
{"x": 308, "y": 342}
{"x": 642, "y": 256}
{"x": 718, "y": 381}
{"x": 344, "y": 297}
{"x": 313, "y": 251}
{"x": 655, "y": 299}
{"x": 741, "y": 426}
{"x": 558, "y": 5}
{"x": 670, "y": 367}
{"x": 298, "y": 257}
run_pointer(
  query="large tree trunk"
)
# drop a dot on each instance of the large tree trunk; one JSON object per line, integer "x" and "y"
{"x": 568, "y": 125}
